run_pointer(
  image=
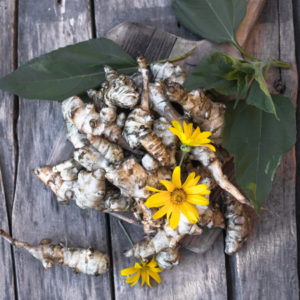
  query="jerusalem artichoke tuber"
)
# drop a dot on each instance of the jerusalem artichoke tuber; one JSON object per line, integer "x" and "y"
{"x": 68, "y": 169}
{"x": 168, "y": 258}
{"x": 237, "y": 224}
{"x": 87, "y": 261}
{"x": 140, "y": 115}
{"x": 197, "y": 104}
{"x": 91, "y": 159}
{"x": 110, "y": 151}
{"x": 90, "y": 189}
{"x": 168, "y": 71}
{"x": 88, "y": 121}
{"x": 154, "y": 145}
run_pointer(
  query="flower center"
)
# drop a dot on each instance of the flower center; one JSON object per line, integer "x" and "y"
{"x": 178, "y": 196}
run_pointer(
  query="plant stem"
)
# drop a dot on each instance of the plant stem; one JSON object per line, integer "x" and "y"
{"x": 180, "y": 57}
{"x": 182, "y": 157}
{"x": 126, "y": 233}
{"x": 245, "y": 53}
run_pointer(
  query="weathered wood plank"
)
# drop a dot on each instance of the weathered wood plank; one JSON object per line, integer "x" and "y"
{"x": 45, "y": 26}
{"x": 296, "y": 12}
{"x": 206, "y": 273}
{"x": 7, "y": 147}
{"x": 156, "y": 13}
{"x": 266, "y": 268}
{"x": 6, "y": 262}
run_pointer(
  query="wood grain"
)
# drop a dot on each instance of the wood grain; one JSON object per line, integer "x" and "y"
{"x": 206, "y": 273}
{"x": 7, "y": 147}
{"x": 156, "y": 13}
{"x": 6, "y": 262}
{"x": 266, "y": 268}
{"x": 45, "y": 26}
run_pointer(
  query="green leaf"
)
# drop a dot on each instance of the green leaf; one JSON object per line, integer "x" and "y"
{"x": 213, "y": 20}
{"x": 259, "y": 96}
{"x": 224, "y": 73}
{"x": 68, "y": 71}
{"x": 258, "y": 141}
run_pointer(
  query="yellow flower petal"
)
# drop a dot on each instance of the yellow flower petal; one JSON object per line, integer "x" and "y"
{"x": 196, "y": 133}
{"x": 186, "y": 130}
{"x": 169, "y": 212}
{"x": 197, "y": 200}
{"x": 176, "y": 132}
{"x": 192, "y": 183}
{"x": 153, "y": 262}
{"x": 144, "y": 263}
{"x": 175, "y": 216}
{"x": 188, "y": 180}
{"x": 155, "y": 276}
{"x": 152, "y": 189}
{"x": 203, "y": 135}
{"x": 196, "y": 190}
{"x": 137, "y": 266}
{"x": 148, "y": 279}
{"x": 177, "y": 126}
{"x": 128, "y": 271}
{"x": 176, "y": 178}
{"x": 143, "y": 273}
{"x": 189, "y": 213}
{"x": 211, "y": 147}
{"x": 191, "y": 207}
{"x": 157, "y": 270}
{"x": 162, "y": 211}
{"x": 190, "y": 130}
{"x": 133, "y": 278}
{"x": 163, "y": 196}
{"x": 168, "y": 184}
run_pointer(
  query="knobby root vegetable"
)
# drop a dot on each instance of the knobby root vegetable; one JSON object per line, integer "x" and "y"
{"x": 154, "y": 145}
{"x": 121, "y": 92}
{"x": 168, "y": 138}
{"x": 131, "y": 178}
{"x": 210, "y": 161}
{"x": 87, "y": 261}
{"x": 113, "y": 201}
{"x": 168, "y": 258}
{"x": 237, "y": 224}
{"x": 164, "y": 239}
{"x": 91, "y": 159}
{"x": 168, "y": 71}
{"x": 158, "y": 104}
{"x": 78, "y": 139}
{"x": 140, "y": 115}
{"x": 64, "y": 190}
{"x": 88, "y": 121}
{"x": 198, "y": 104}
{"x": 68, "y": 169}
{"x": 117, "y": 91}
{"x": 90, "y": 189}
{"x": 110, "y": 151}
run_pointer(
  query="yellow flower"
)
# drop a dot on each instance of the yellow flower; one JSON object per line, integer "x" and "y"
{"x": 145, "y": 270}
{"x": 190, "y": 138}
{"x": 179, "y": 198}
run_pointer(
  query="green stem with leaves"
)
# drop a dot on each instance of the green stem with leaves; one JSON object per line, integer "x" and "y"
{"x": 176, "y": 58}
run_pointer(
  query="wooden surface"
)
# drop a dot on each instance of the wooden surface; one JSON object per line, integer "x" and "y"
{"x": 273, "y": 250}
{"x": 36, "y": 213}
{"x": 265, "y": 268}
